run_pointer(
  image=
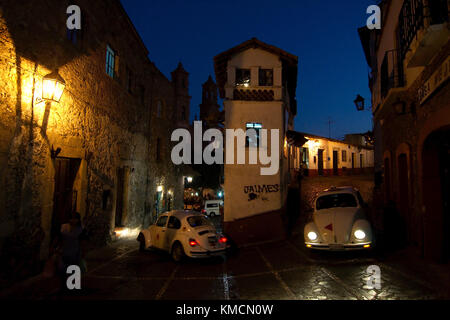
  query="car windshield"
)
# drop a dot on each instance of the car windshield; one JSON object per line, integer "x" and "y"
{"x": 336, "y": 200}
{"x": 198, "y": 221}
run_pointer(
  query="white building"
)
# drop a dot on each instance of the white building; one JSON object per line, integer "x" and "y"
{"x": 324, "y": 156}
{"x": 257, "y": 82}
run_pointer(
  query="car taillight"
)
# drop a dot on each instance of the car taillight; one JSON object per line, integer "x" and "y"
{"x": 204, "y": 211}
{"x": 223, "y": 240}
{"x": 192, "y": 242}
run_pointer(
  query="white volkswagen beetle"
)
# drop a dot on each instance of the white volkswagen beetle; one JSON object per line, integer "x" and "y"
{"x": 183, "y": 233}
{"x": 339, "y": 221}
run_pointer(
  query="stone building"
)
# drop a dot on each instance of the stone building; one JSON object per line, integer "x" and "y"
{"x": 102, "y": 150}
{"x": 410, "y": 68}
{"x": 258, "y": 84}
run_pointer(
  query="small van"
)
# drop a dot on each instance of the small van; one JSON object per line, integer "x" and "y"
{"x": 212, "y": 207}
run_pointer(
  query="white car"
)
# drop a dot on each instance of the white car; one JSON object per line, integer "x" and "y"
{"x": 212, "y": 207}
{"x": 183, "y": 233}
{"x": 339, "y": 221}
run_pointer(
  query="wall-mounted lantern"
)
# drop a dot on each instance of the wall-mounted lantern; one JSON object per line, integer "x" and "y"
{"x": 53, "y": 86}
{"x": 189, "y": 179}
{"x": 159, "y": 188}
{"x": 359, "y": 103}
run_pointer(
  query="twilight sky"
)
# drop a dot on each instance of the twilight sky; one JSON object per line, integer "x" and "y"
{"x": 322, "y": 33}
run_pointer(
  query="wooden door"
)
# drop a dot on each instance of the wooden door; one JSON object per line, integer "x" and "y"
{"x": 64, "y": 197}
{"x": 320, "y": 162}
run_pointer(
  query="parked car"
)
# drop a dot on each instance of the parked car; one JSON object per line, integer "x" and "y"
{"x": 212, "y": 207}
{"x": 339, "y": 221}
{"x": 183, "y": 233}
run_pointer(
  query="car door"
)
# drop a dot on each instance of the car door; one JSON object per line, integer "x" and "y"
{"x": 173, "y": 226}
{"x": 159, "y": 230}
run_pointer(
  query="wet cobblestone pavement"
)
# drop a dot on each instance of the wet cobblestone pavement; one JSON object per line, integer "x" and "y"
{"x": 283, "y": 270}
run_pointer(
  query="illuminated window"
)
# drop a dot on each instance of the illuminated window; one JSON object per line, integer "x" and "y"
{"x": 110, "y": 61}
{"x": 243, "y": 77}
{"x": 253, "y": 140}
{"x": 266, "y": 77}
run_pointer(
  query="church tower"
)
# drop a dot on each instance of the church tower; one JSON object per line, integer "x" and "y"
{"x": 180, "y": 81}
{"x": 209, "y": 108}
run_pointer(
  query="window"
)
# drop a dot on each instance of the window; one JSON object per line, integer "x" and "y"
{"x": 74, "y": 36}
{"x": 159, "y": 109}
{"x": 174, "y": 223}
{"x": 212, "y": 205}
{"x": 305, "y": 156}
{"x": 162, "y": 221}
{"x": 111, "y": 63}
{"x": 252, "y": 140}
{"x": 344, "y": 156}
{"x": 339, "y": 200}
{"x": 266, "y": 77}
{"x": 198, "y": 221}
{"x": 243, "y": 77}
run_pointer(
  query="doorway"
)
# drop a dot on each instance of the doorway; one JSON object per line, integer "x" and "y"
{"x": 64, "y": 197}
{"x": 436, "y": 195}
{"x": 320, "y": 162}
{"x": 335, "y": 163}
{"x": 353, "y": 162}
{"x": 120, "y": 197}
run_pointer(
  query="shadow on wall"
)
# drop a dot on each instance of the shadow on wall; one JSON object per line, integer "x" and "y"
{"x": 37, "y": 33}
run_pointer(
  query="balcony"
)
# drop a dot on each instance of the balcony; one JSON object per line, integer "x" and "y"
{"x": 392, "y": 75}
{"x": 422, "y": 30}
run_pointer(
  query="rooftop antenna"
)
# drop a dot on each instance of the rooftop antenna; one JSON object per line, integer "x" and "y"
{"x": 329, "y": 126}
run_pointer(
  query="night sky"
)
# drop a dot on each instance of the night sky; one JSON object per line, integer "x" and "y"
{"x": 322, "y": 33}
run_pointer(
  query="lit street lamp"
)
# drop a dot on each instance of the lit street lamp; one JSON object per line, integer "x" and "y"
{"x": 53, "y": 86}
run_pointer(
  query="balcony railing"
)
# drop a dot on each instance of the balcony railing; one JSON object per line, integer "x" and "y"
{"x": 415, "y": 14}
{"x": 392, "y": 75}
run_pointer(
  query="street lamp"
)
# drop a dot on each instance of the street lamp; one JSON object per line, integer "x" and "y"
{"x": 53, "y": 87}
{"x": 359, "y": 103}
{"x": 189, "y": 179}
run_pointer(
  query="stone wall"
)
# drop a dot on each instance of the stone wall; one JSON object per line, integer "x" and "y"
{"x": 98, "y": 121}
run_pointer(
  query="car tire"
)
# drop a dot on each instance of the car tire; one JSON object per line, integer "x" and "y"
{"x": 141, "y": 242}
{"x": 178, "y": 252}
{"x": 212, "y": 214}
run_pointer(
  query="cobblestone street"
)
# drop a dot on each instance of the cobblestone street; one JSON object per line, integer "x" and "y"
{"x": 278, "y": 270}
{"x": 282, "y": 270}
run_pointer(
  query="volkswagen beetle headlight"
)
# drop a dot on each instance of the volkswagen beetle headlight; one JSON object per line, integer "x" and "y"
{"x": 312, "y": 235}
{"x": 359, "y": 234}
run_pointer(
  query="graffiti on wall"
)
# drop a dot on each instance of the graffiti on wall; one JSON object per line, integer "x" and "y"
{"x": 257, "y": 191}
